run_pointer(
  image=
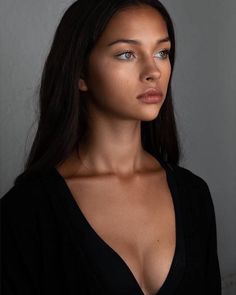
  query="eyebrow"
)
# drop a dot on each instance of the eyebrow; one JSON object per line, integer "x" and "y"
{"x": 137, "y": 42}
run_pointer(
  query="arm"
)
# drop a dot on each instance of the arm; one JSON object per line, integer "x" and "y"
{"x": 19, "y": 259}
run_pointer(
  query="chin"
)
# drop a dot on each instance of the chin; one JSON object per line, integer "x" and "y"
{"x": 150, "y": 115}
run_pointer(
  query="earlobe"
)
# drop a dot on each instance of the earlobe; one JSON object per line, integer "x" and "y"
{"x": 82, "y": 85}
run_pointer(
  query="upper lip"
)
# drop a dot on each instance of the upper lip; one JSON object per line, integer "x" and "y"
{"x": 151, "y": 92}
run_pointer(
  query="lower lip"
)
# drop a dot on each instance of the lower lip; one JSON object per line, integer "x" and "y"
{"x": 151, "y": 99}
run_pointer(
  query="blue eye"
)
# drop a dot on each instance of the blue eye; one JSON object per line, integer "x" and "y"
{"x": 164, "y": 53}
{"x": 127, "y": 55}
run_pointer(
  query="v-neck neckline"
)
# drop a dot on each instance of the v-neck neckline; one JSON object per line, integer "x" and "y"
{"x": 178, "y": 262}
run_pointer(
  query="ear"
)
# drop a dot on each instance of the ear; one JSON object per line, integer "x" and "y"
{"x": 82, "y": 85}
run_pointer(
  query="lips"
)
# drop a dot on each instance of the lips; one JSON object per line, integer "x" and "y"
{"x": 149, "y": 93}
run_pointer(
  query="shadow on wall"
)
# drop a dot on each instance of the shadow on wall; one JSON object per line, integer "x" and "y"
{"x": 229, "y": 285}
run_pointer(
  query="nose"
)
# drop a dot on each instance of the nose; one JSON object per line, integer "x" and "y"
{"x": 150, "y": 71}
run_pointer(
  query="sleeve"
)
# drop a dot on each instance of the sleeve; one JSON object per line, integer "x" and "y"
{"x": 19, "y": 255}
{"x": 213, "y": 276}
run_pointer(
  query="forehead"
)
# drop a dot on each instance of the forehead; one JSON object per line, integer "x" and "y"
{"x": 141, "y": 22}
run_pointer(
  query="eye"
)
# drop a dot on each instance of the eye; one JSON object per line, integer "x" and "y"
{"x": 164, "y": 54}
{"x": 125, "y": 55}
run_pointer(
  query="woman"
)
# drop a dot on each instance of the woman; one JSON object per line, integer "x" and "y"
{"x": 103, "y": 206}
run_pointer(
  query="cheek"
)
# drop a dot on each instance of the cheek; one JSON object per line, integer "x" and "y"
{"x": 166, "y": 70}
{"x": 107, "y": 79}
{"x": 166, "y": 73}
{"x": 169, "y": 70}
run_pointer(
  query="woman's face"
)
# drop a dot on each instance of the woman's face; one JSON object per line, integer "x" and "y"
{"x": 118, "y": 71}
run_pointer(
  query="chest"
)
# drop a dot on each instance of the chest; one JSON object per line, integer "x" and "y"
{"x": 136, "y": 219}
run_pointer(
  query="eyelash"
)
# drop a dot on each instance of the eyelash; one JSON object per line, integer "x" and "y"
{"x": 166, "y": 52}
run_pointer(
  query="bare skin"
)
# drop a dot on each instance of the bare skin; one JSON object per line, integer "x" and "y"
{"x": 120, "y": 188}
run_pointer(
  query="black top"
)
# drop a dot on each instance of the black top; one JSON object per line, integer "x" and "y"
{"x": 48, "y": 246}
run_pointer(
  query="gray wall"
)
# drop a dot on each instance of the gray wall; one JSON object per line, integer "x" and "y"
{"x": 204, "y": 95}
{"x": 205, "y": 99}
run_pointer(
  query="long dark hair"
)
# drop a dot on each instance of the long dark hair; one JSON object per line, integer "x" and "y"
{"x": 63, "y": 115}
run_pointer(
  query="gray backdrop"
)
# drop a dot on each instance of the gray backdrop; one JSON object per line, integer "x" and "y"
{"x": 204, "y": 96}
